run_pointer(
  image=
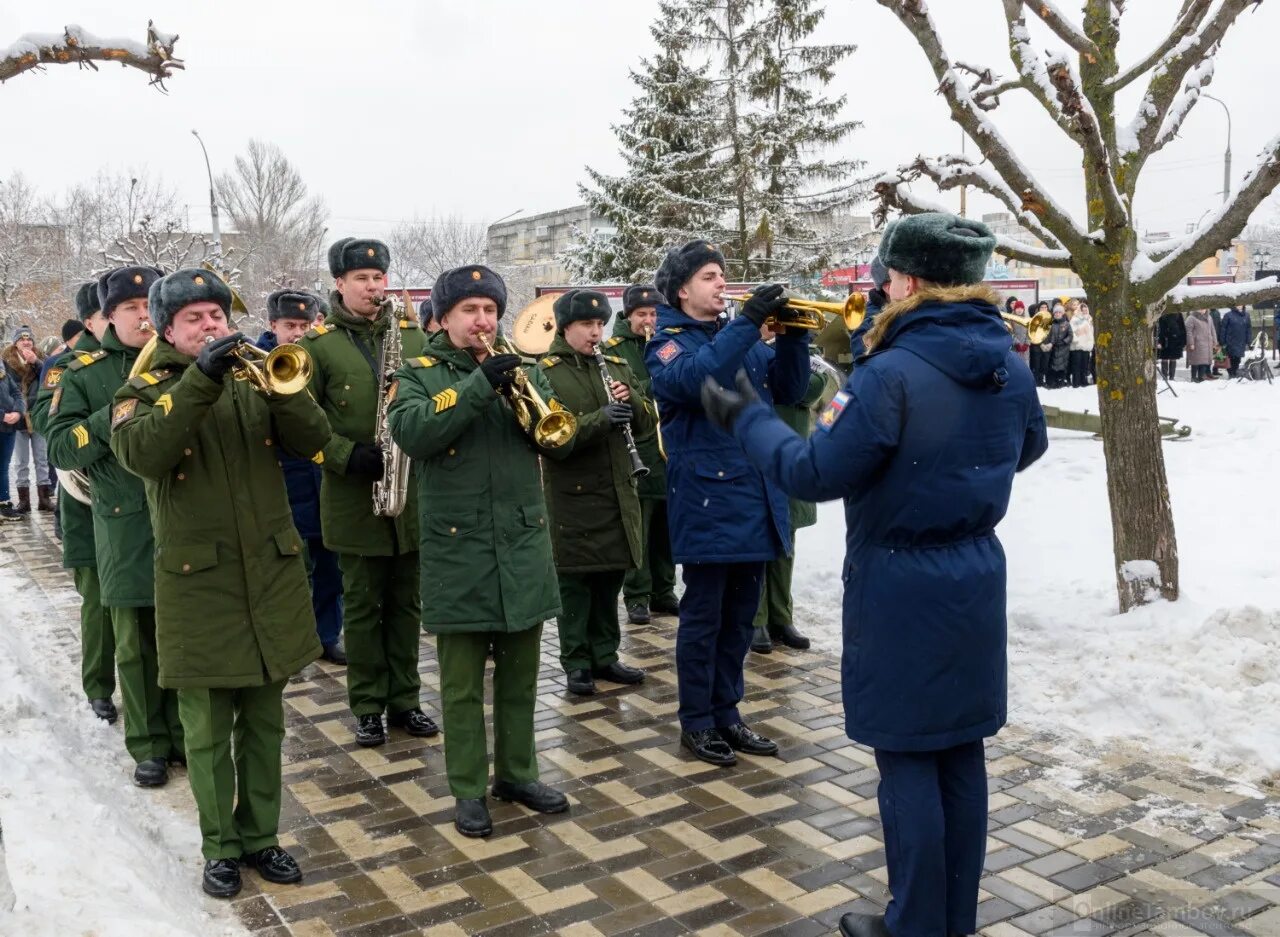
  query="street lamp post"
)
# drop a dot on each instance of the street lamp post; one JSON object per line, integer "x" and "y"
{"x": 1226, "y": 157}
{"x": 213, "y": 204}
{"x": 320, "y": 257}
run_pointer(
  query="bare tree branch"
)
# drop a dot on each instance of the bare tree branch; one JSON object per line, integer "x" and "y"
{"x": 1035, "y": 78}
{"x": 35, "y": 50}
{"x": 1062, "y": 27}
{"x": 1193, "y": 12}
{"x": 1191, "y": 298}
{"x": 1086, "y": 128}
{"x": 1029, "y": 253}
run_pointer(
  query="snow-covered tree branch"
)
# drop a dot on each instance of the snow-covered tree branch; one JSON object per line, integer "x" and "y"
{"x": 1187, "y": 298}
{"x": 1193, "y": 13}
{"x": 75, "y": 45}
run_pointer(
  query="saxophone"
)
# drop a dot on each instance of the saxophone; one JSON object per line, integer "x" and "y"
{"x": 391, "y": 491}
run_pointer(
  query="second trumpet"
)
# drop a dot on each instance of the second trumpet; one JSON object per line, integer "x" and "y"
{"x": 549, "y": 428}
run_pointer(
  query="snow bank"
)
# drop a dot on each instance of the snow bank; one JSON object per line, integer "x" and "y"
{"x": 83, "y": 850}
{"x": 1198, "y": 679}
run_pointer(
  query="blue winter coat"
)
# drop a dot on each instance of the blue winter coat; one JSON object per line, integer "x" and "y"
{"x": 301, "y": 476}
{"x": 874, "y": 305}
{"x": 922, "y": 443}
{"x": 720, "y": 508}
{"x": 1236, "y": 332}
{"x": 10, "y": 400}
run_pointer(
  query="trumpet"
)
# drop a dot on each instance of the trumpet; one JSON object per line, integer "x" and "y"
{"x": 811, "y": 313}
{"x": 283, "y": 371}
{"x": 549, "y": 428}
{"x": 1037, "y": 326}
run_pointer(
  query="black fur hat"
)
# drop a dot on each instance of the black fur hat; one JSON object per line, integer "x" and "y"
{"x": 87, "y": 301}
{"x": 71, "y": 328}
{"x": 182, "y": 288}
{"x": 453, "y": 286}
{"x": 580, "y": 305}
{"x": 424, "y": 311}
{"x": 292, "y": 304}
{"x": 637, "y": 295}
{"x": 358, "y": 254}
{"x": 123, "y": 284}
{"x": 681, "y": 263}
{"x": 939, "y": 247}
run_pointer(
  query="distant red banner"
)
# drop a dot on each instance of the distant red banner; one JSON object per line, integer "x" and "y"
{"x": 843, "y": 276}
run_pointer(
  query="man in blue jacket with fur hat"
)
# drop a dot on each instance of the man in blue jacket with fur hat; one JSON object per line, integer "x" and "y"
{"x": 726, "y": 520}
{"x": 922, "y": 443}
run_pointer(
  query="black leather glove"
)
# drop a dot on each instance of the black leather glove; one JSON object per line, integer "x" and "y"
{"x": 724, "y": 406}
{"x": 765, "y": 302}
{"x": 499, "y": 370}
{"x": 216, "y": 358}
{"x": 618, "y": 414}
{"x": 365, "y": 459}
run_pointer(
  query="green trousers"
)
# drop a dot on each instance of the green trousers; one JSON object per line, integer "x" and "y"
{"x": 657, "y": 573}
{"x": 462, "y": 660}
{"x": 233, "y": 762}
{"x": 382, "y": 619}
{"x": 588, "y": 621}
{"x": 775, "y": 597}
{"x": 97, "y": 637}
{"x": 152, "y": 728}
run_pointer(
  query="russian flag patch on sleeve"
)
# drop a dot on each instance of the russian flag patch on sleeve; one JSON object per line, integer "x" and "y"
{"x": 828, "y": 417}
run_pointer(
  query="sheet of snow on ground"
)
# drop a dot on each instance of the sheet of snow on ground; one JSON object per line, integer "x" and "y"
{"x": 1198, "y": 679}
{"x": 83, "y": 850}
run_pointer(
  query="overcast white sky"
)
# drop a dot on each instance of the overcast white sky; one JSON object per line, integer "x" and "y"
{"x": 481, "y": 107}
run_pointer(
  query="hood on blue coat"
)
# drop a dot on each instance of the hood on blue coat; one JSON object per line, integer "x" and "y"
{"x": 671, "y": 317}
{"x": 956, "y": 329}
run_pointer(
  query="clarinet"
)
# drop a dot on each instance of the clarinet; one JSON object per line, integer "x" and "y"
{"x": 638, "y": 468}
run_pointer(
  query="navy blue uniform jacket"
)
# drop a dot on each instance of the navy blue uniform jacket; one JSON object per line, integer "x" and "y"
{"x": 922, "y": 443}
{"x": 720, "y": 507}
{"x": 301, "y": 476}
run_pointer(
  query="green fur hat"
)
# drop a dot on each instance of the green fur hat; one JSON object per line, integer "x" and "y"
{"x": 292, "y": 304}
{"x": 939, "y": 247}
{"x": 580, "y": 305}
{"x": 87, "y": 301}
{"x": 182, "y": 288}
{"x": 358, "y": 254}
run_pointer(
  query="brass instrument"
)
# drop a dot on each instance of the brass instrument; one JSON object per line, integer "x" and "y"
{"x": 391, "y": 491}
{"x": 553, "y": 428}
{"x": 75, "y": 482}
{"x": 283, "y": 371}
{"x": 638, "y": 468}
{"x": 1037, "y": 326}
{"x": 811, "y": 313}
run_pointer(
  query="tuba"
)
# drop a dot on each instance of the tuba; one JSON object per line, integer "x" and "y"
{"x": 391, "y": 491}
{"x": 1037, "y": 326}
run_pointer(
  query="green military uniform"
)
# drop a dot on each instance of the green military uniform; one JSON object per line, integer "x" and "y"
{"x": 655, "y": 578}
{"x": 79, "y": 424}
{"x": 378, "y": 555}
{"x": 596, "y": 526}
{"x": 233, "y": 605}
{"x": 97, "y": 639}
{"x": 775, "y": 598}
{"x": 487, "y": 572}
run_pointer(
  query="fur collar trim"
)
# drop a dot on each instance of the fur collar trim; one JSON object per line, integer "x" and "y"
{"x": 965, "y": 293}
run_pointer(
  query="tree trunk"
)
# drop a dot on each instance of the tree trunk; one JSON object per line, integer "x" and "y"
{"x": 1146, "y": 548}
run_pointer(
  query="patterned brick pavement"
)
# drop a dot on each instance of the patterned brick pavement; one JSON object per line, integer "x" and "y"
{"x": 658, "y": 844}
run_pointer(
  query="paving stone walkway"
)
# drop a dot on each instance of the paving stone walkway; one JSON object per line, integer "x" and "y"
{"x": 656, "y": 843}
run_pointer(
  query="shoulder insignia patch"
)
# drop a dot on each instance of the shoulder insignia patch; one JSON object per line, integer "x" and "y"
{"x": 318, "y": 458}
{"x": 317, "y": 331}
{"x": 86, "y": 358}
{"x": 616, "y": 340}
{"x": 673, "y": 330}
{"x": 51, "y": 378}
{"x": 550, "y": 361}
{"x": 408, "y": 324}
{"x": 81, "y": 433}
{"x": 424, "y": 361}
{"x": 149, "y": 378}
{"x": 668, "y": 352}
{"x": 828, "y": 417}
{"x": 123, "y": 410}
{"x": 445, "y": 399}
{"x": 165, "y": 403}
{"x": 615, "y": 359}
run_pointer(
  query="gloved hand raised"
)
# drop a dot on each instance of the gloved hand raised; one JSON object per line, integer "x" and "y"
{"x": 365, "y": 459}
{"x": 765, "y": 302}
{"x": 216, "y": 358}
{"x": 618, "y": 414}
{"x": 499, "y": 370}
{"x": 724, "y": 406}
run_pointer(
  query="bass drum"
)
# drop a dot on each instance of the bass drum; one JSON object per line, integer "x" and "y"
{"x": 534, "y": 327}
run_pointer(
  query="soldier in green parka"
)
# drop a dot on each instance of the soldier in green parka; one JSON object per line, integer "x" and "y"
{"x": 378, "y": 555}
{"x": 651, "y": 588}
{"x": 79, "y": 424}
{"x": 488, "y": 580}
{"x": 97, "y": 638}
{"x": 233, "y": 604}
{"x": 596, "y": 527}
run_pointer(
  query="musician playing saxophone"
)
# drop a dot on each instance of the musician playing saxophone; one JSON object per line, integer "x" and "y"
{"x": 596, "y": 525}
{"x": 378, "y": 555}
{"x": 488, "y": 580}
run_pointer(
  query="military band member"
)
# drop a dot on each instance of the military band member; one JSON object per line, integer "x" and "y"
{"x": 97, "y": 639}
{"x": 488, "y": 580}
{"x": 378, "y": 555}
{"x": 291, "y": 313}
{"x": 651, "y": 588}
{"x": 79, "y": 423}
{"x": 726, "y": 520}
{"x": 234, "y": 618}
{"x": 596, "y": 525}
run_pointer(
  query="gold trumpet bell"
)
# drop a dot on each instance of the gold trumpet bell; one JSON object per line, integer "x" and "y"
{"x": 283, "y": 371}
{"x": 1037, "y": 326}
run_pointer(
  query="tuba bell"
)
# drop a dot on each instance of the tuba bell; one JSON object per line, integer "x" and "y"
{"x": 1037, "y": 326}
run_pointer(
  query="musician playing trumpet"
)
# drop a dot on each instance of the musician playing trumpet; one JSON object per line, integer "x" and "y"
{"x": 596, "y": 525}
{"x": 488, "y": 580}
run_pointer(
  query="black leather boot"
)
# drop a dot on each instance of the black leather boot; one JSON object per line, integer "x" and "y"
{"x": 471, "y": 818}
{"x": 105, "y": 710}
{"x": 618, "y": 672}
{"x": 863, "y": 925}
{"x": 788, "y": 636}
{"x": 742, "y": 739}
{"x": 761, "y": 643}
{"x": 369, "y": 731}
{"x": 708, "y": 746}
{"x": 415, "y": 722}
{"x": 533, "y": 794}
{"x": 154, "y": 772}
{"x": 580, "y": 682}
{"x": 221, "y": 878}
{"x": 274, "y": 864}
{"x": 638, "y": 614}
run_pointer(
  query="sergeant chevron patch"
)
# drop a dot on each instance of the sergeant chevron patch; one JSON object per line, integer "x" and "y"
{"x": 445, "y": 399}
{"x": 81, "y": 433}
{"x": 165, "y": 403}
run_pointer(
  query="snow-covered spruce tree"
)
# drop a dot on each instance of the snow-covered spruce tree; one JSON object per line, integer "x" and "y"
{"x": 1129, "y": 281}
{"x": 75, "y": 45}
{"x": 668, "y": 191}
{"x": 793, "y": 125}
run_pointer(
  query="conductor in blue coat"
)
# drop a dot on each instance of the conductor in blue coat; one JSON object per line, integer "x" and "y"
{"x": 922, "y": 444}
{"x": 726, "y": 520}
